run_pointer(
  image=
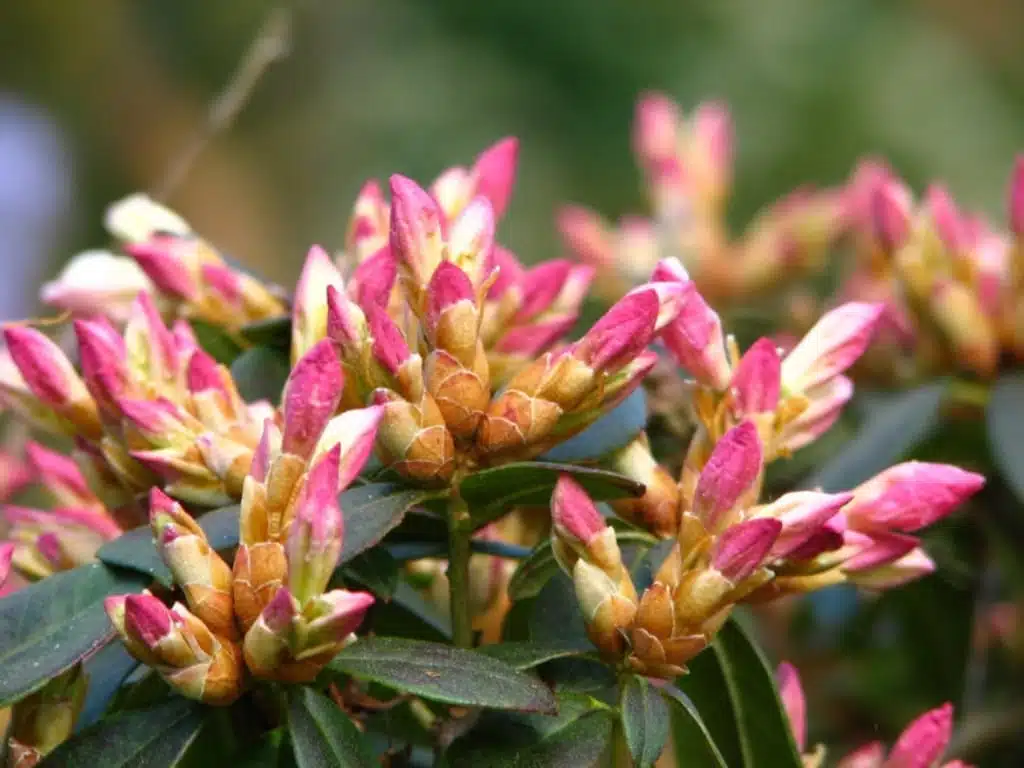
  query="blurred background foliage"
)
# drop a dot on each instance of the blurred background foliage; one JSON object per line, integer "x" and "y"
{"x": 97, "y": 98}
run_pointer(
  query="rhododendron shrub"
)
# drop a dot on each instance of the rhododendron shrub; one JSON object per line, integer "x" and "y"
{"x": 401, "y": 514}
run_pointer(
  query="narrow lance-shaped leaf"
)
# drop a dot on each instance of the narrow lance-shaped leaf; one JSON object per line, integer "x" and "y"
{"x": 645, "y": 721}
{"x": 52, "y": 624}
{"x": 322, "y": 735}
{"x": 442, "y": 673}
{"x": 692, "y": 742}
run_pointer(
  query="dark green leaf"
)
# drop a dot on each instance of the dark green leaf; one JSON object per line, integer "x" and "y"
{"x": 645, "y": 721}
{"x": 582, "y": 743}
{"x": 273, "y": 332}
{"x": 766, "y": 739}
{"x": 528, "y": 655}
{"x": 556, "y": 615}
{"x": 442, "y": 673}
{"x": 491, "y": 493}
{"x": 135, "y": 549}
{"x": 705, "y": 686}
{"x": 260, "y": 374}
{"x": 52, "y": 624}
{"x": 158, "y": 736}
{"x": 691, "y": 740}
{"x": 375, "y": 570}
{"x": 611, "y": 432}
{"x": 216, "y": 342}
{"x": 322, "y": 735}
{"x": 407, "y": 614}
{"x": 371, "y": 511}
{"x": 272, "y": 751}
{"x": 1005, "y": 421}
{"x": 106, "y": 671}
{"x": 892, "y": 427}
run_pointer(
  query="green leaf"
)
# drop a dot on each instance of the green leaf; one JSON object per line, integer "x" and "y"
{"x": 322, "y": 735}
{"x": 524, "y": 655}
{"x": 260, "y": 374}
{"x": 407, "y": 614}
{"x": 766, "y": 739}
{"x": 889, "y": 431}
{"x": 491, "y": 493}
{"x": 692, "y": 742}
{"x": 216, "y": 342}
{"x": 442, "y": 673}
{"x": 273, "y": 332}
{"x": 106, "y": 671}
{"x": 645, "y": 721}
{"x": 158, "y": 736}
{"x": 135, "y": 549}
{"x": 705, "y": 686}
{"x": 375, "y": 570}
{"x": 583, "y": 742}
{"x": 52, "y": 624}
{"x": 608, "y": 434}
{"x": 372, "y": 511}
{"x": 1004, "y": 417}
{"x": 557, "y": 617}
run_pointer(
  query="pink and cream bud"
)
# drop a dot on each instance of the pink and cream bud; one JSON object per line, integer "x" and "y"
{"x": 622, "y": 333}
{"x": 104, "y": 360}
{"x": 309, "y": 310}
{"x": 835, "y": 343}
{"x": 890, "y": 208}
{"x": 471, "y": 239}
{"x": 742, "y": 548}
{"x": 415, "y": 237}
{"x": 137, "y": 218}
{"x": 354, "y": 433}
{"x": 310, "y": 398}
{"x": 756, "y": 381}
{"x": 96, "y": 283}
{"x": 495, "y": 173}
{"x": 165, "y": 261}
{"x": 730, "y": 478}
{"x": 315, "y": 538}
{"x": 924, "y": 741}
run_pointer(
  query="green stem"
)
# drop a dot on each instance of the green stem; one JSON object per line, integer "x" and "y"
{"x": 460, "y": 533}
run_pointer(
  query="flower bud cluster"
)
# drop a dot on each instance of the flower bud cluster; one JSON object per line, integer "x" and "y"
{"x": 149, "y": 406}
{"x": 731, "y": 549}
{"x": 952, "y": 284}
{"x": 271, "y": 615}
{"x": 688, "y": 166}
{"x": 166, "y": 258}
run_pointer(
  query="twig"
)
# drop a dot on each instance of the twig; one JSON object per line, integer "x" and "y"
{"x": 272, "y": 43}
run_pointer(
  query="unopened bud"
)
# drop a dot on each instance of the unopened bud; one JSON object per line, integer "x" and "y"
{"x": 415, "y": 237}
{"x": 136, "y": 218}
{"x": 606, "y": 612}
{"x": 315, "y": 537}
{"x": 742, "y": 548}
{"x": 309, "y": 309}
{"x": 835, "y": 343}
{"x": 756, "y": 381}
{"x": 97, "y": 283}
{"x": 658, "y": 509}
{"x": 495, "y": 173}
{"x": 413, "y": 438}
{"x": 310, "y": 398}
{"x": 730, "y": 478}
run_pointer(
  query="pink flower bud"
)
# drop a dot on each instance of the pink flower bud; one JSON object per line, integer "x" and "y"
{"x": 890, "y": 214}
{"x": 877, "y": 549}
{"x": 541, "y": 285}
{"x": 471, "y": 238}
{"x": 924, "y": 741}
{"x": 573, "y": 514}
{"x": 184, "y": 338}
{"x": 528, "y": 341}
{"x": 742, "y": 548}
{"x": 44, "y": 367}
{"x": 267, "y": 449}
{"x": 137, "y": 218}
{"x": 585, "y": 235}
{"x": 825, "y": 408}
{"x": 309, "y": 308}
{"x": 315, "y": 538}
{"x": 946, "y": 217}
{"x": 448, "y": 286}
{"x": 161, "y": 258}
{"x": 14, "y": 475}
{"x": 147, "y": 620}
{"x": 510, "y": 273}
{"x": 870, "y": 755}
{"x": 913, "y": 565}
{"x": 622, "y": 333}
{"x": 910, "y": 496}
{"x": 802, "y": 513}
{"x": 495, "y": 172}
{"x": 369, "y": 223}
{"x": 204, "y": 374}
{"x": 223, "y": 281}
{"x": 1016, "y": 214}
{"x": 311, "y": 397}
{"x": 732, "y": 472}
{"x": 713, "y": 133}
{"x": 792, "y": 695}
{"x": 160, "y": 421}
{"x": 415, "y": 237}
{"x": 338, "y": 614}
{"x": 97, "y": 283}
{"x": 389, "y": 345}
{"x": 374, "y": 278}
{"x": 280, "y": 613}
{"x": 345, "y": 321}
{"x": 58, "y": 473}
{"x": 835, "y": 343}
{"x": 671, "y": 295}
{"x": 656, "y": 128}
{"x": 354, "y": 433}
{"x": 757, "y": 379}
{"x": 6, "y": 555}
{"x": 104, "y": 361}
{"x": 695, "y": 337}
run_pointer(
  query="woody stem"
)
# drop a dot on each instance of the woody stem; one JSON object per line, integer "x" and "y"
{"x": 460, "y": 533}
